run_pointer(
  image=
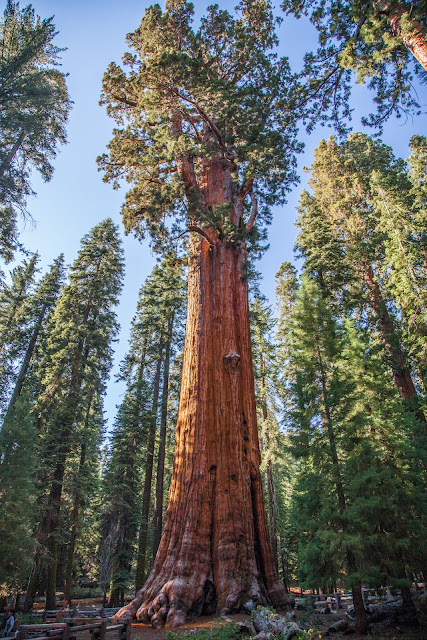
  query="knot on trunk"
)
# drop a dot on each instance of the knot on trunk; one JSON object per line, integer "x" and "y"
{"x": 232, "y": 360}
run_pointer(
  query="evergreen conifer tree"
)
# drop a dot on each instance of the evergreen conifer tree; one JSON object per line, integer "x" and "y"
{"x": 358, "y": 255}
{"x": 206, "y": 134}
{"x": 159, "y": 309}
{"x": 375, "y": 42}
{"x": 78, "y": 353}
{"x": 37, "y": 309}
{"x": 34, "y": 107}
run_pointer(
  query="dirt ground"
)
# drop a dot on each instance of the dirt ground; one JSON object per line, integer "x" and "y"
{"x": 304, "y": 619}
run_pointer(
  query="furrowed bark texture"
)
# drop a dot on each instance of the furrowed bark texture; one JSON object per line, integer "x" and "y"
{"x": 400, "y": 370}
{"x": 215, "y": 553}
{"x": 414, "y": 38}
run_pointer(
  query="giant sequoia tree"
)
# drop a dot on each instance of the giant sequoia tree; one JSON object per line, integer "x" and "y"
{"x": 205, "y": 136}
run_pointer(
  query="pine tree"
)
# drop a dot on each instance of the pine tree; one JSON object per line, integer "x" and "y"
{"x": 401, "y": 218}
{"x": 359, "y": 470}
{"x": 205, "y": 135}
{"x": 132, "y": 454}
{"x": 18, "y": 436}
{"x": 78, "y": 352}
{"x": 352, "y": 256}
{"x": 265, "y": 372}
{"x": 164, "y": 293}
{"x": 18, "y": 457}
{"x": 13, "y": 320}
{"x": 370, "y": 42}
{"x": 39, "y": 305}
{"x": 34, "y": 105}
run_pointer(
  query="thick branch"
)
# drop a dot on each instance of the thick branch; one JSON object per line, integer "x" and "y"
{"x": 193, "y": 228}
{"x": 246, "y": 188}
{"x": 203, "y": 114}
{"x": 414, "y": 38}
{"x": 6, "y": 164}
{"x": 254, "y": 211}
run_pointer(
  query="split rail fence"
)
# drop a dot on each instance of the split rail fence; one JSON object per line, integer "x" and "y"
{"x": 76, "y": 628}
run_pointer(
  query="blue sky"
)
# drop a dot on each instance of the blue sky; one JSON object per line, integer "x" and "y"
{"x": 76, "y": 199}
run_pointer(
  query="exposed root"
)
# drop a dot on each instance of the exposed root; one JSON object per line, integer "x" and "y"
{"x": 179, "y": 600}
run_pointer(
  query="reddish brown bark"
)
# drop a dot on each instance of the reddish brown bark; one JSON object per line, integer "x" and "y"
{"x": 401, "y": 373}
{"x": 215, "y": 551}
{"x": 414, "y": 38}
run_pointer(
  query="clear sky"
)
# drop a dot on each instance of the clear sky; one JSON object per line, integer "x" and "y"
{"x": 76, "y": 198}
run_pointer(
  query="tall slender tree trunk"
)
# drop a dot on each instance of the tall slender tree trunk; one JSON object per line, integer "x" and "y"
{"x": 401, "y": 373}
{"x": 414, "y": 38}
{"x": 215, "y": 551}
{"x": 270, "y": 479}
{"x": 158, "y": 513}
{"x": 47, "y": 535}
{"x": 12, "y": 153}
{"x": 127, "y": 520}
{"x": 75, "y": 516}
{"x": 273, "y": 509}
{"x": 361, "y": 621}
{"x": 149, "y": 465}
{"x": 25, "y": 364}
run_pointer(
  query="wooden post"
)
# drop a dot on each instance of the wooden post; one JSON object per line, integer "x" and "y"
{"x": 103, "y": 629}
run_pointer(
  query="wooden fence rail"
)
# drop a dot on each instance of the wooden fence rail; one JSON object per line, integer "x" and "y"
{"x": 74, "y": 627}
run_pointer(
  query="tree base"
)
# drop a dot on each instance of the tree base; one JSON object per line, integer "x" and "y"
{"x": 179, "y": 600}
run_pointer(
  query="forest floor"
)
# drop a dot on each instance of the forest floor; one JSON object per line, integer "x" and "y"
{"x": 306, "y": 620}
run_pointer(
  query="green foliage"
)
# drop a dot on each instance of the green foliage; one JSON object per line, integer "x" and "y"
{"x": 14, "y": 319}
{"x": 363, "y": 236}
{"x": 185, "y": 97}
{"x": 276, "y": 465}
{"x": 357, "y": 43}
{"x": 77, "y": 357}
{"x": 17, "y": 496}
{"x": 34, "y": 107}
{"x": 159, "y": 317}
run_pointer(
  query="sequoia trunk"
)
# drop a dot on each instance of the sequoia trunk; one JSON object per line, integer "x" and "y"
{"x": 215, "y": 551}
{"x": 401, "y": 373}
{"x": 414, "y": 37}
